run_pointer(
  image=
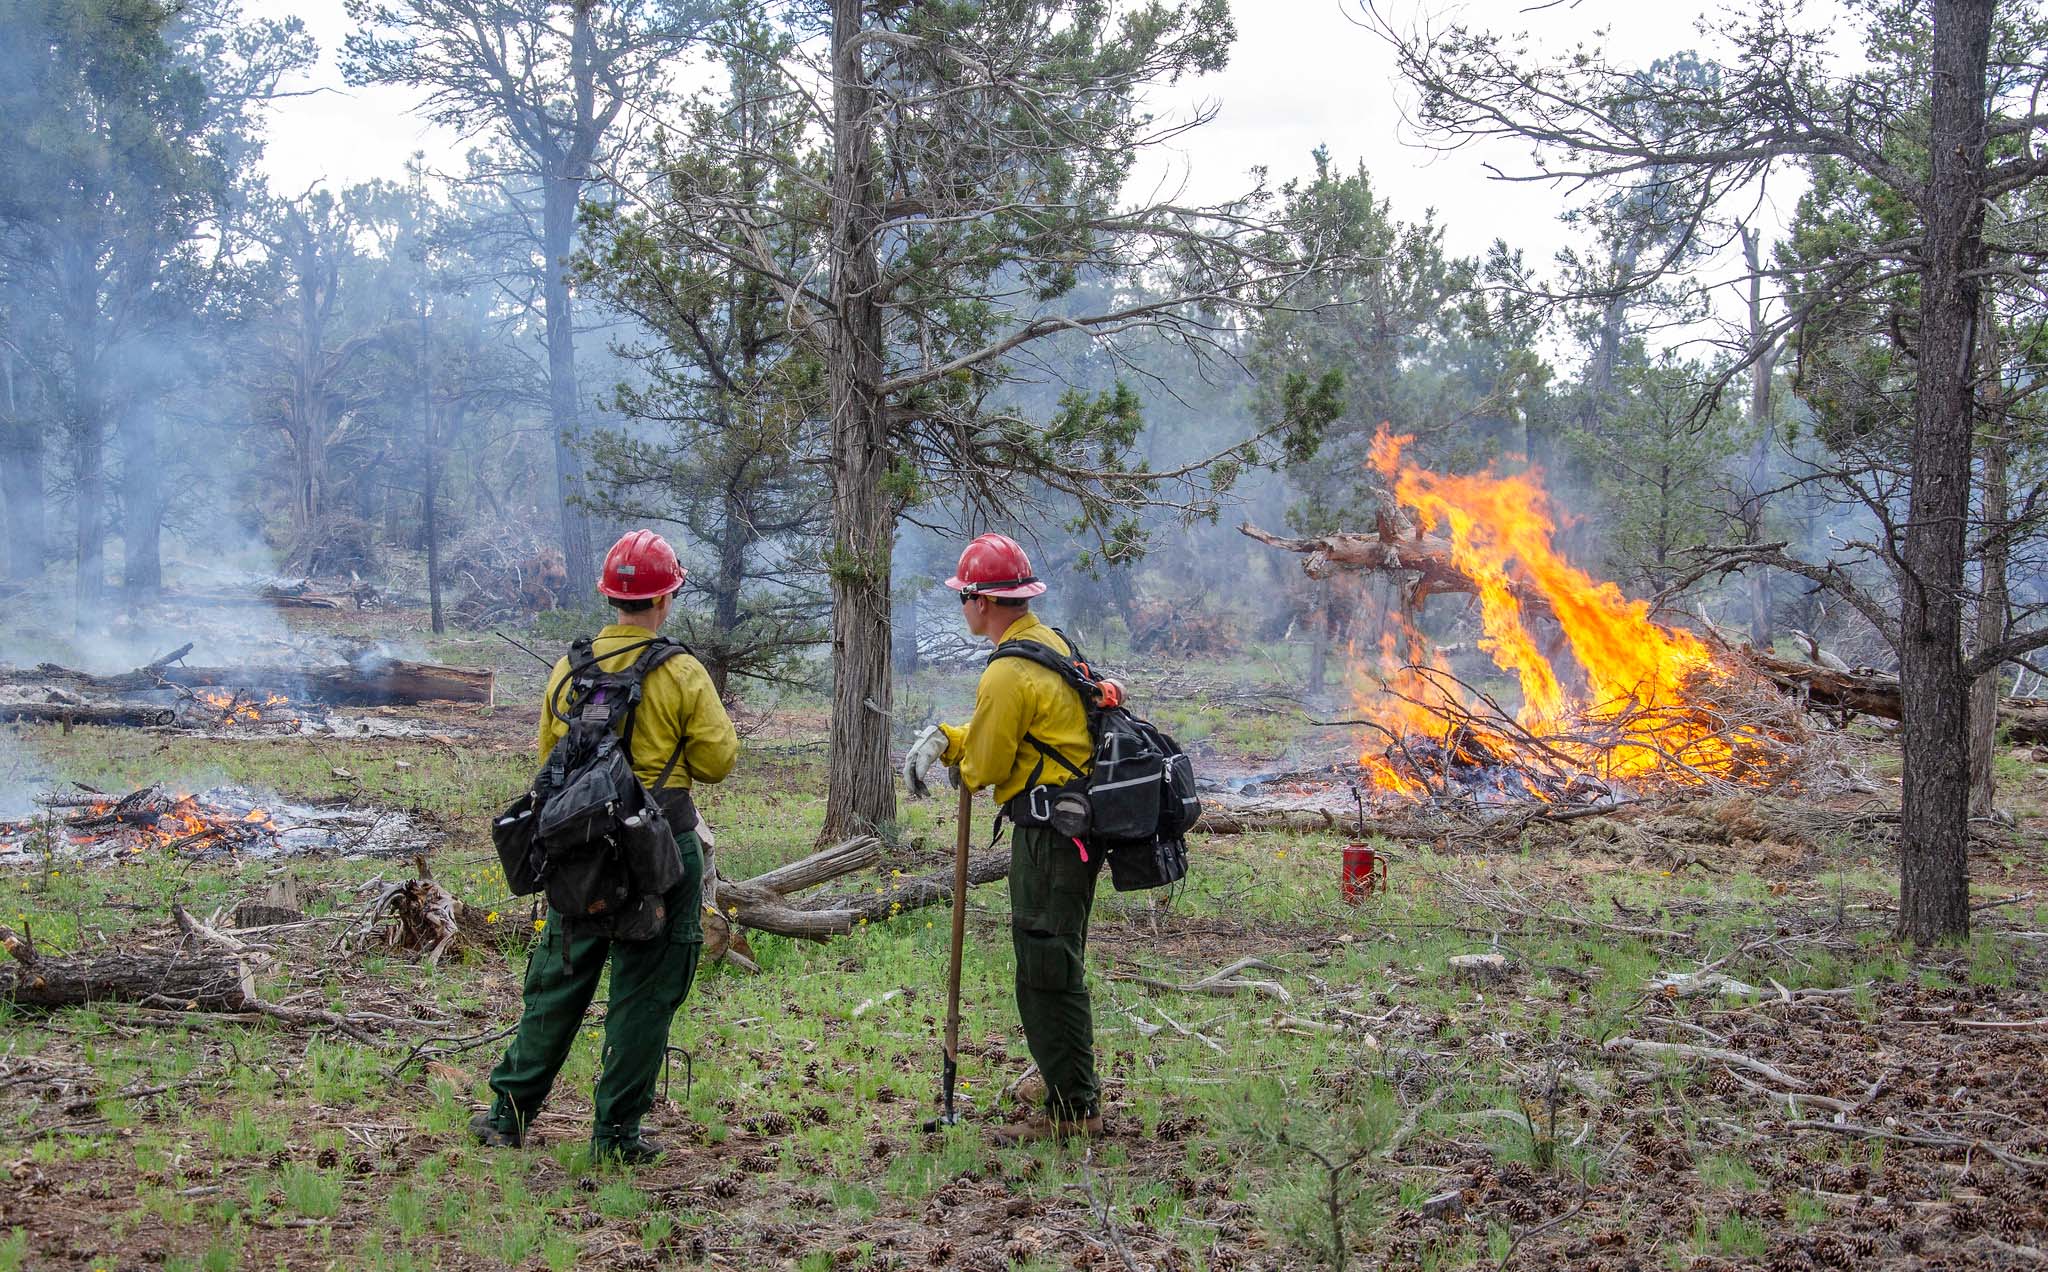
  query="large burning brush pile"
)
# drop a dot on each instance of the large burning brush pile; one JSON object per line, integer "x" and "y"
{"x": 226, "y": 821}
{"x": 1610, "y": 701}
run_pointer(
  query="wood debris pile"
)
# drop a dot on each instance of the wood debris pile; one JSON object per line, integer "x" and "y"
{"x": 95, "y": 827}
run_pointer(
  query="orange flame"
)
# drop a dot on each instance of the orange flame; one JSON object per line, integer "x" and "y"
{"x": 1631, "y": 672}
{"x": 236, "y": 709}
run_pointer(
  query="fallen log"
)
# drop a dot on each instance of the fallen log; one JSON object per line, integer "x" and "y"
{"x": 272, "y": 597}
{"x": 68, "y": 714}
{"x": 764, "y": 904}
{"x": 1876, "y": 693}
{"x": 367, "y": 681}
{"x": 1246, "y": 819}
{"x": 179, "y": 979}
{"x": 186, "y": 978}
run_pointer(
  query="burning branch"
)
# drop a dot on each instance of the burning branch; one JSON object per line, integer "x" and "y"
{"x": 1608, "y": 696}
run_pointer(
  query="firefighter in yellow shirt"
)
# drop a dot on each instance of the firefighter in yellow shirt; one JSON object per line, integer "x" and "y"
{"x": 681, "y": 735}
{"x": 1030, "y": 732}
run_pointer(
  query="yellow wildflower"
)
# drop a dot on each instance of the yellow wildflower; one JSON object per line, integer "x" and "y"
{"x": 492, "y": 917}
{"x": 539, "y": 924}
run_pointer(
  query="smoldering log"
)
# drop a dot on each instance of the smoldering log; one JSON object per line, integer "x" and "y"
{"x": 1876, "y": 693}
{"x": 364, "y": 682}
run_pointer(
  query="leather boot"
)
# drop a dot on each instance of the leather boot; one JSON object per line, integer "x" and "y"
{"x": 491, "y": 1135}
{"x": 633, "y": 1151}
{"x": 1033, "y": 1129}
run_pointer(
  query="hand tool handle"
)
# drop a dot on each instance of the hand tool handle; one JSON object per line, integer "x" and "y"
{"x": 960, "y": 846}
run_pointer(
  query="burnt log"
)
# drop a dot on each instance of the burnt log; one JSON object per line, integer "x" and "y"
{"x": 272, "y": 597}
{"x": 1876, "y": 693}
{"x": 367, "y": 681}
{"x": 68, "y": 714}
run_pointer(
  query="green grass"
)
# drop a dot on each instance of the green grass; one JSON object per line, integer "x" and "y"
{"x": 262, "y": 1118}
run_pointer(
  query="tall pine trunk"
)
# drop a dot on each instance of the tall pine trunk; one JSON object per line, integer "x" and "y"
{"x": 1318, "y": 637}
{"x": 88, "y": 427}
{"x": 736, "y": 539}
{"x": 21, "y": 475}
{"x": 142, "y": 506}
{"x": 861, "y": 793}
{"x": 1995, "y": 595}
{"x": 558, "y": 229}
{"x": 1758, "y": 577}
{"x": 1934, "y": 829}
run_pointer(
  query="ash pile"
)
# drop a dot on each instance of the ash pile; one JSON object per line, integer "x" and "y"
{"x": 223, "y": 824}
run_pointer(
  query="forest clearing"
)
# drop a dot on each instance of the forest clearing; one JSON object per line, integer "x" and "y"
{"x": 1656, "y": 1033}
{"x": 1312, "y": 635}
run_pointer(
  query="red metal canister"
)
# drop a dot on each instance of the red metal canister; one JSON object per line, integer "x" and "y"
{"x": 1364, "y": 871}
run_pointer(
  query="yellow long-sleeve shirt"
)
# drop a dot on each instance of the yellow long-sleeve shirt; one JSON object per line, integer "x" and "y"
{"x": 1017, "y": 696}
{"x": 677, "y": 702}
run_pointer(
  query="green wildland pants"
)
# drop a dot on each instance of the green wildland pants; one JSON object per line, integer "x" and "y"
{"x": 1052, "y": 892}
{"x": 650, "y": 979}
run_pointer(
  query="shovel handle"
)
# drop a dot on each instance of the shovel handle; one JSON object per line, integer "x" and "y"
{"x": 961, "y": 841}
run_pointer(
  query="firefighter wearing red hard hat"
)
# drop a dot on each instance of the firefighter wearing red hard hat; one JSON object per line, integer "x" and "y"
{"x": 1024, "y": 715}
{"x": 681, "y": 735}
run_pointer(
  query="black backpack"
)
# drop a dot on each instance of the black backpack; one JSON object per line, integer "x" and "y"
{"x": 588, "y": 833}
{"x": 1137, "y": 802}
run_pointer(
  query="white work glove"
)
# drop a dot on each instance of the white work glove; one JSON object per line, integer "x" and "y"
{"x": 704, "y": 832}
{"x": 925, "y": 752}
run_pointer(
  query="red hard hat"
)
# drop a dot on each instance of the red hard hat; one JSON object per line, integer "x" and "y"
{"x": 640, "y": 567}
{"x": 994, "y": 565}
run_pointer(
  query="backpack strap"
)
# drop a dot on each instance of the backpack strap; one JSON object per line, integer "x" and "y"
{"x": 1072, "y": 669}
{"x": 583, "y": 660}
{"x": 654, "y": 658}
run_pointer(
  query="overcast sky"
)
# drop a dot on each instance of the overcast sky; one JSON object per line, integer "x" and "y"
{"x": 1303, "y": 73}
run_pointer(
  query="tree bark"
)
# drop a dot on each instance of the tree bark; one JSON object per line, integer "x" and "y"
{"x": 1934, "y": 831}
{"x": 142, "y": 506}
{"x": 21, "y": 476}
{"x": 558, "y": 228}
{"x": 88, "y": 439}
{"x": 861, "y": 794}
{"x": 1995, "y": 557}
{"x": 1318, "y": 636}
{"x": 1759, "y": 577}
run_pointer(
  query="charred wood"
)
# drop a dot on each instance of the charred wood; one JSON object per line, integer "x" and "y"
{"x": 364, "y": 682}
{"x": 68, "y": 714}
